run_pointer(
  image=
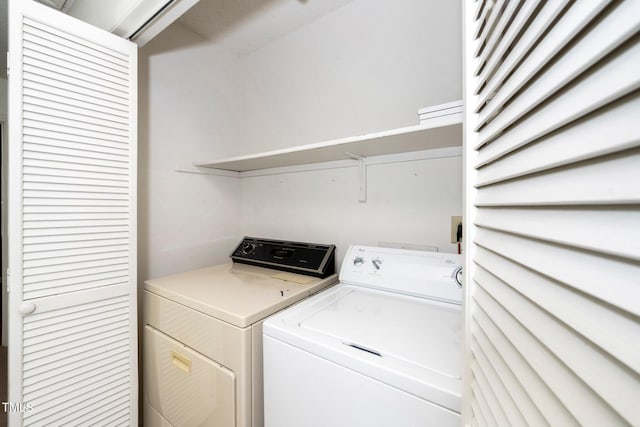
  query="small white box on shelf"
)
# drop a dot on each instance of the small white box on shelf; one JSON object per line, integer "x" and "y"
{"x": 436, "y": 113}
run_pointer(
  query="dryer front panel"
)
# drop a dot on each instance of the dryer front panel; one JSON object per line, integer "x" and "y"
{"x": 185, "y": 387}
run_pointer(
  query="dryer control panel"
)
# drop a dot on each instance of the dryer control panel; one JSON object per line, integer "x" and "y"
{"x": 311, "y": 259}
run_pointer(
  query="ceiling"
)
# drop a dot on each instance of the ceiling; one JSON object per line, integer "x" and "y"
{"x": 243, "y": 26}
{"x": 63, "y": 5}
{"x": 240, "y": 26}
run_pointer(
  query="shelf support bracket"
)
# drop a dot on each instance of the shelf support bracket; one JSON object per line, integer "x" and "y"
{"x": 362, "y": 165}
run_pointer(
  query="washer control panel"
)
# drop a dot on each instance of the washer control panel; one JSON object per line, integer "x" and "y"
{"x": 428, "y": 274}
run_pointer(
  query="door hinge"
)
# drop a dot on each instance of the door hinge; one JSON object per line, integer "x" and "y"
{"x": 8, "y": 63}
{"x": 8, "y": 280}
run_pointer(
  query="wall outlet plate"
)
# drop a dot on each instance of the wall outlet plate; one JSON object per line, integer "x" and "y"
{"x": 455, "y": 220}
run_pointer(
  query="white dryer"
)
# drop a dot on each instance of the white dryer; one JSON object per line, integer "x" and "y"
{"x": 202, "y": 350}
{"x": 382, "y": 348}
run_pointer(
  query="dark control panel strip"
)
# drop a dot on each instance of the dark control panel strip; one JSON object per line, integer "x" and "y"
{"x": 312, "y": 259}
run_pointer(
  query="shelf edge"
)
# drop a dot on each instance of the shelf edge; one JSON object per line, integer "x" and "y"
{"x": 442, "y": 123}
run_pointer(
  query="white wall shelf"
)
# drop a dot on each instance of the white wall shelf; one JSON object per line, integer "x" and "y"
{"x": 445, "y": 132}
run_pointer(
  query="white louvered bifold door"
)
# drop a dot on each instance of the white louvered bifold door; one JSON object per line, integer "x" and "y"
{"x": 552, "y": 134}
{"x": 72, "y": 222}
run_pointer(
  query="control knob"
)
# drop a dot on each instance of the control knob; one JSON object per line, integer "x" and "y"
{"x": 358, "y": 261}
{"x": 247, "y": 248}
{"x": 458, "y": 276}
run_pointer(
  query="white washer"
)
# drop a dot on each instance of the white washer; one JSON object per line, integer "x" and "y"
{"x": 382, "y": 348}
{"x": 202, "y": 353}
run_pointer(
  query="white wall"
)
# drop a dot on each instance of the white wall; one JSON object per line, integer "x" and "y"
{"x": 408, "y": 202}
{"x": 367, "y": 66}
{"x": 187, "y": 111}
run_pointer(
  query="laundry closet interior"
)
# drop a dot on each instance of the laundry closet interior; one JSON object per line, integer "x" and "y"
{"x": 242, "y": 78}
{"x": 293, "y": 120}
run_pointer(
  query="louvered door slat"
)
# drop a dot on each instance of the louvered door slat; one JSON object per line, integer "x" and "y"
{"x": 71, "y": 102}
{"x": 484, "y": 67}
{"x": 72, "y": 167}
{"x": 482, "y": 409}
{"x": 583, "y": 139}
{"x": 528, "y": 29}
{"x": 607, "y": 83}
{"x": 568, "y": 388}
{"x": 61, "y": 130}
{"x": 43, "y": 107}
{"x": 87, "y": 415}
{"x": 612, "y": 180}
{"x": 77, "y": 46}
{"x": 487, "y": 6}
{"x": 32, "y": 118}
{"x": 478, "y": 8}
{"x": 553, "y": 217}
{"x": 72, "y": 209}
{"x": 583, "y": 270}
{"x": 534, "y": 388}
{"x": 61, "y": 58}
{"x": 73, "y": 355}
{"x": 87, "y": 370}
{"x": 43, "y": 72}
{"x": 80, "y": 215}
{"x": 52, "y": 147}
{"x": 76, "y": 70}
{"x": 113, "y": 278}
{"x": 511, "y": 389}
{"x": 489, "y": 25}
{"x": 69, "y": 248}
{"x": 68, "y": 390}
{"x": 582, "y": 316}
{"x": 571, "y": 224}
{"x": 43, "y": 66}
{"x": 72, "y": 95}
{"x": 90, "y": 149}
{"x": 490, "y": 49}
{"x": 494, "y": 405}
{"x": 51, "y": 82}
{"x": 607, "y": 34}
{"x": 558, "y": 36}
{"x": 71, "y": 255}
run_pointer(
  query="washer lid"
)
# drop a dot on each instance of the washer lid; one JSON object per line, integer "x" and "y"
{"x": 414, "y": 330}
{"x": 410, "y": 343}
